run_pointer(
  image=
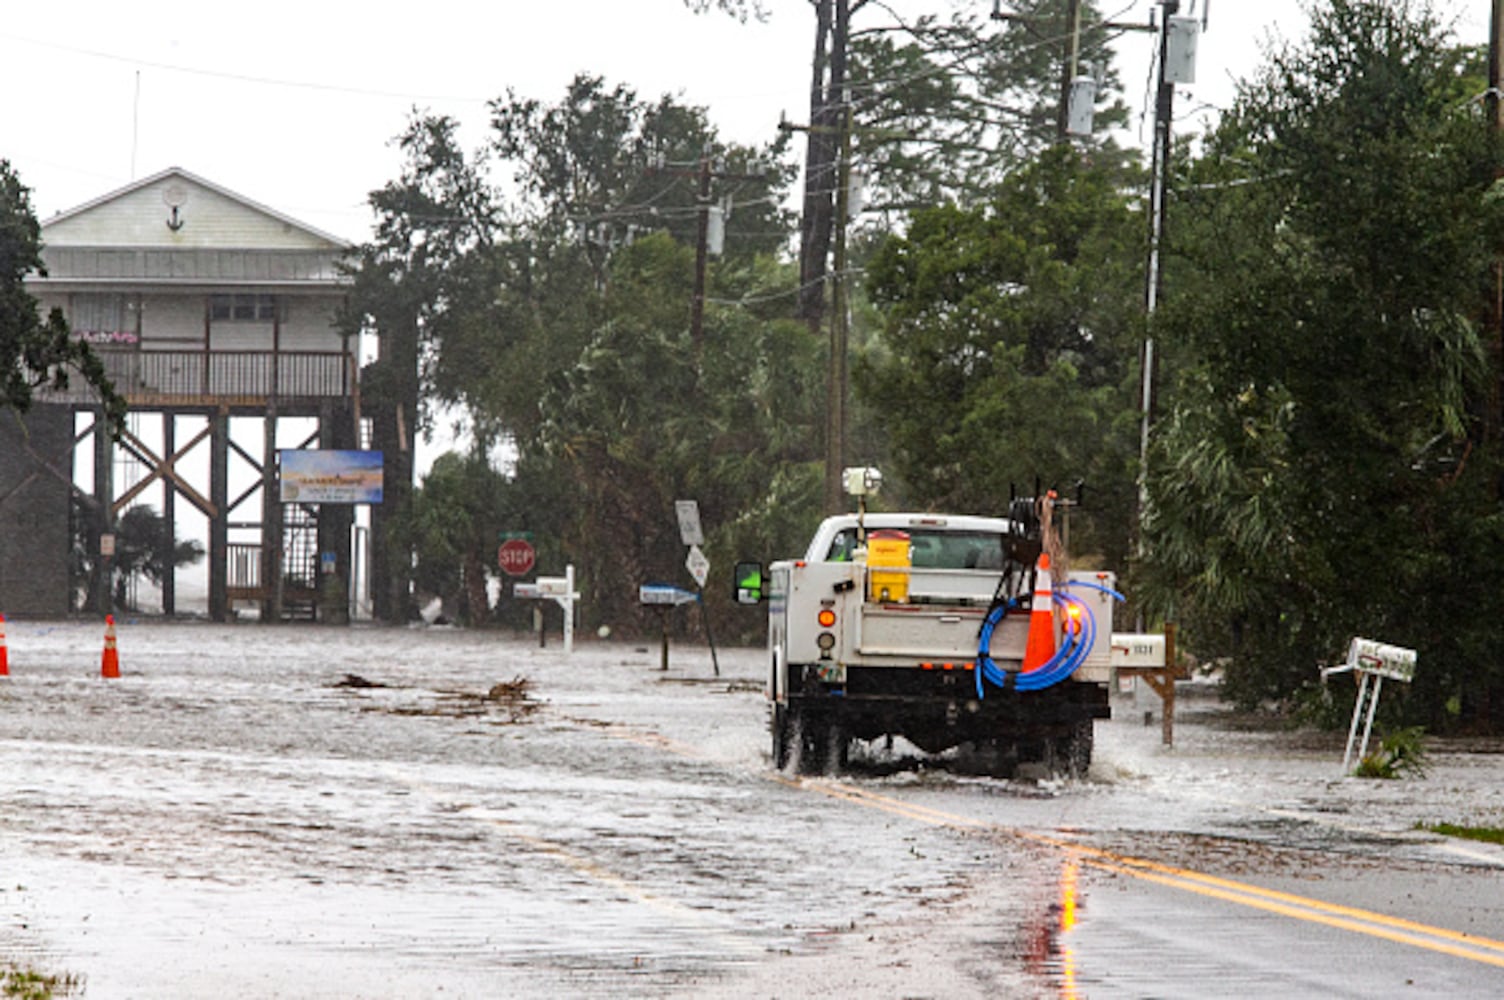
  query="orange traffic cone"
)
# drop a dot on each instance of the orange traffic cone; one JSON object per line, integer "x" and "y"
{"x": 110, "y": 666}
{"x": 4, "y": 653}
{"x": 1041, "y": 645}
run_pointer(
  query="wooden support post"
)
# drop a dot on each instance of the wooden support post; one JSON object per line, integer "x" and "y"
{"x": 1161, "y": 679}
{"x": 335, "y": 521}
{"x": 271, "y": 522}
{"x": 219, "y": 526}
{"x": 169, "y": 515}
{"x": 1167, "y": 722}
{"x": 104, "y": 493}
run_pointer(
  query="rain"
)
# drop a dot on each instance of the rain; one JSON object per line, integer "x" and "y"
{"x": 258, "y": 810}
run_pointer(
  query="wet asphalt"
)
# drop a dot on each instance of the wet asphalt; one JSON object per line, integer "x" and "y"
{"x": 300, "y": 811}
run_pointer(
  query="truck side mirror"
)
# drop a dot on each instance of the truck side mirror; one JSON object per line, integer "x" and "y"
{"x": 749, "y": 583}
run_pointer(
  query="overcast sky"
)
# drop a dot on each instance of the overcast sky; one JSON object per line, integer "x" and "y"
{"x": 294, "y": 104}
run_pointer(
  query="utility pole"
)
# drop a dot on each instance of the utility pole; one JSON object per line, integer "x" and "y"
{"x": 1072, "y": 36}
{"x": 1495, "y": 62}
{"x": 1068, "y": 70}
{"x": 1494, "y": 425}
{"x": 837, "y": 368}
{"x": 705, "y": 172}
{"x": 836, "y": 383}
{"x": 702, "y": 253}
{"x": 1154, "y": 277}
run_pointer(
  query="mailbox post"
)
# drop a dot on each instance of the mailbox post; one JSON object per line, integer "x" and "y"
{"x": 1372, "y": 661}
{"x": 664, "y": 598}
{"x": 559, "y": 589}
{"x": 1151, "y": 657}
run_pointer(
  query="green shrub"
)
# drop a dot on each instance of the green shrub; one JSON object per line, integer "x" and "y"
{"x": 1401, "y": 753}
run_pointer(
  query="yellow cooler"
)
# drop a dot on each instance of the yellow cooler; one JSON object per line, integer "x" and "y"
{"x": 888, "y": 562}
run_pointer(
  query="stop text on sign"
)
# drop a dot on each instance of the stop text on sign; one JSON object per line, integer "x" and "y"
{"x": 516, "y": 557}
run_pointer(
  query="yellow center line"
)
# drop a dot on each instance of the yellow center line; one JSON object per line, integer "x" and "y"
{"x": 1398, "y": 929}
{"x": 1359, "y": 921}
{"x": 1314, "y": 911}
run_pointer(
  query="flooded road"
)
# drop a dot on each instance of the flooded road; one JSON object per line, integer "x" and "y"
{"x": 305, "y": 812}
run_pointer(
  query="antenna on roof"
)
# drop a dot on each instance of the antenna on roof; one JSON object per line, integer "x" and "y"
{"x": 135, "y": 123}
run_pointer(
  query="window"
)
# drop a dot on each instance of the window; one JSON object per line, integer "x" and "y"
{"x": 108, "y": 318}
{"x": 243, "y": 308}
{"x": 935, "y": 549}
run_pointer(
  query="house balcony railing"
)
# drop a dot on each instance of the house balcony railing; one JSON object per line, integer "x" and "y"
{"x": 205, "y": 377}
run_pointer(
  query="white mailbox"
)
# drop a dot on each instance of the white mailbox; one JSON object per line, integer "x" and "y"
{"x": 1131, "y": 649}
{"x": 1368, "y": 656}
{"x": 560, "y": 590}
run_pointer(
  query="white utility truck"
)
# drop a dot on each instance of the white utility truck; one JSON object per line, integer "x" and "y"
{"x": 941, "y": 629}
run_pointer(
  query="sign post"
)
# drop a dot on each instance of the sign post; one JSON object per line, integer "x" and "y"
{"x": 690, "y": 533}
{"x": 664, "y": 598}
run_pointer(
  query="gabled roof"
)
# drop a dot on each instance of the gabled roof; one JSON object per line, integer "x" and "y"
{"x": 209, "y": 215}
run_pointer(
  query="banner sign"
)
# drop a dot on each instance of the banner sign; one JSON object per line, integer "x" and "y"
{"x": 317, "y": 476}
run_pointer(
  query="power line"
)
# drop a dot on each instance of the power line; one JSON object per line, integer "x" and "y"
{"x": 333, "y": 88}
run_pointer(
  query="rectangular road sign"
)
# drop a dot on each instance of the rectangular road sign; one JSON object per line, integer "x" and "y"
{"x": 688, "y": 513}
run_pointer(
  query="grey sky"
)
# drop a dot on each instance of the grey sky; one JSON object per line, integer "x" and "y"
{"x": 294, "y": 104}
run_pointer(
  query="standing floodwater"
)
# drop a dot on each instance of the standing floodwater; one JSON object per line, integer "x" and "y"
{"x": 383, "y": 812}
{"x": 258, "y": 811}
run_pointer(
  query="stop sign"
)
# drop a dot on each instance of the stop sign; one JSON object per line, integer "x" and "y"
{"x": 516, "y": 556}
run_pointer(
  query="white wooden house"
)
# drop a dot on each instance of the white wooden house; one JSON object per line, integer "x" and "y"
{"x": 204, "y": 305}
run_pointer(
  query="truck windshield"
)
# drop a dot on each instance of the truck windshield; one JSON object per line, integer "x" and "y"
{"x": 934, "y": 549}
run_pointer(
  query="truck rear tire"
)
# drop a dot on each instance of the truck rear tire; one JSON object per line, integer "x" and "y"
{"x": 812, "y": 740}
{"x": 809, "y": 730}
{"x": 1073, "y": 752}
{"x": 780, "y": 727}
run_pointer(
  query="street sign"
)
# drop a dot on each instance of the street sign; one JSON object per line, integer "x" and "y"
{"x": 664, "y": 595}
{"x": 688, "y": 513}
{"x": 516, "y": 557}
{"x": 697, "y": 564}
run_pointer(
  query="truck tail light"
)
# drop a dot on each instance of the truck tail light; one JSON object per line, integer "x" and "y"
{"x": 827, "y": 618}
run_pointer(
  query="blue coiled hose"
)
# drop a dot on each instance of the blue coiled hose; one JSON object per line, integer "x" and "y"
{"x": 1067, "y": 658}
